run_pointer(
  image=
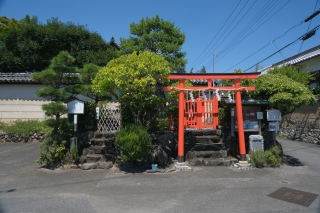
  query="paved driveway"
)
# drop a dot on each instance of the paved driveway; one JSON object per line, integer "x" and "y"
{"x": 25, "y": 187}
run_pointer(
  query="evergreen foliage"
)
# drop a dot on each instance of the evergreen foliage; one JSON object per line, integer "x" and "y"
{"x": 52, "y": 150}
{"x": 158, "y": 36}
{"x": 133, "y": 142}
{"x": 273, "y": 156}
{"x": 257, "y": 158}
{"x": 136, "y": 77}
{"x": 59, "y": 74}
{"x": 27, "y": 45}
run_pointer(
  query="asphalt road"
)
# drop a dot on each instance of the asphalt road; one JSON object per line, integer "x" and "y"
{"x": 26, "y": 187}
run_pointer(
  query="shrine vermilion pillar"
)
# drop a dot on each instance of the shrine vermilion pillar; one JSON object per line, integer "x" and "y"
{"x": 181, "y": 122}
{"x": 242, "y": 144}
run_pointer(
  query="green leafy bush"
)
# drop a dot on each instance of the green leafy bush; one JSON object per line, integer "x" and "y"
{"x": 52, "y": 150}
{"x": 74, "y": 153}
{"x": 257, "y": 158}
{"x": 25, "y": 128}
{"x": 133, "y": 142}
{"x": 273, "y": 156}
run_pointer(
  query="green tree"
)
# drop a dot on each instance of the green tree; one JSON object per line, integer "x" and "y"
{"x": 282, "y": 92}
{"x": 7, "y": 24}
{"x": 158, "y": 36}
{"x": 301, "y": 76}
{"x": 31, "y": 46}
{"x": 136, "y": 78}
{"x": 58, "y": 75}
{"x": 202, "y": 70}
{"x": 87, "y": 73}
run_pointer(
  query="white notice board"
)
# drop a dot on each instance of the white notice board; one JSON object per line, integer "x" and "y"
{"x": 76, "y": 107}
{"x": 273, "y": 115}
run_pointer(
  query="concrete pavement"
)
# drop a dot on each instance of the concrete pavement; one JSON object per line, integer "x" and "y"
{"x": 25, "y": 187}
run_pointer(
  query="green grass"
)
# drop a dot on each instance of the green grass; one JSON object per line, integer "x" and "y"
{"x": 24, "y": 128}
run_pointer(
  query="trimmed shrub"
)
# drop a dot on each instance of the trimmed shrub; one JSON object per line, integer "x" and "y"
{"x": 257, "y": 158}
{"x": 25, "y": 128}
{"x": 133, "y": 142}
{"x": 52, "y": 150}
{"x": 273, "y": 156}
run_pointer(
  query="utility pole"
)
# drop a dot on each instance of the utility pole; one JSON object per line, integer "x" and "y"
{"x": 213, "y": 63}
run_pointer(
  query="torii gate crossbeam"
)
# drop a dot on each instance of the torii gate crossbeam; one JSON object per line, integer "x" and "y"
{"x": 236, "y": 77}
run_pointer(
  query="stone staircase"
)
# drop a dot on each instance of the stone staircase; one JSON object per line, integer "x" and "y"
{"x": 99, "y": 153}
{"x": 206, "y": 148}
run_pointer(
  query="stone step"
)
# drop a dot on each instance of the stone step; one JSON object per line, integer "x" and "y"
{"x": 92, "y": 158}
{"x": 208, "y": 147}
{"x": 104, "y": 135}
{"x": 210, "y": 162}
{"x": 102, "y": 141}
{"x": 88, "y": 166}
{"x": 206, "y": 132}
{"x": 208, "y": 139}
{"x": 206, "y": 154}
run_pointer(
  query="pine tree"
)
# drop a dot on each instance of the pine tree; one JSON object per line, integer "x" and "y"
{"x": 58, "y": 75}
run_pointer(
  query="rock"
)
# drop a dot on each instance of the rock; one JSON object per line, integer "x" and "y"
{"x": 164, "y": 139}
{"x": 88, "y": 166}
{"x": 212, "y": 162}
{"x": 108, "y": 135}
{"x": 155, "y": 171}
{"x": 98, "y": 135}
{"x": 14, "y": 139}
{"x": 195, "y": 162}
{"x": 92, "y": 158}
{"x": 35, "y": 141}
{"x": 83, "y": 159}
{"x": 6, "y": 136}
{"x": 105, "y": 165}
{"x": 160, "y": 158}
{"x": 98, "y": 149}
{"x": 109, "y": 142}
{"x": 73, "y": 166}
{"x": 106, "y": 157}
{"x": 150, "y": 158}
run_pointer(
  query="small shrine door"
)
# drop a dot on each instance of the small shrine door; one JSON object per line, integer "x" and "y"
{"x": 201, "y": 113}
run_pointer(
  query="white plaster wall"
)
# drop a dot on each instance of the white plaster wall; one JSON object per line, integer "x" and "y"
{"x": 18, "y": 101}
{"x": 313, "y": 64}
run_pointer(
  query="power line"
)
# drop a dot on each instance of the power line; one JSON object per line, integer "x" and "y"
{"x": 235, "y": 44}
{"x": 217, "y": 33}
{"x": 313, "y": 30}
{"x": 223, "y": 32}
{"x": 248, "y": 27}
{"x": 272, "y": 42}
{"x": 313, "y": 15}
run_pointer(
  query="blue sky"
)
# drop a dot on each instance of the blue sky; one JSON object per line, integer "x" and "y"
{"x": 199, "y": 20}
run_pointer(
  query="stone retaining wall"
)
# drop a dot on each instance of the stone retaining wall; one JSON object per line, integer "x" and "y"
{"x": 302, "y": 125}
{"x": 16, "y": 138}
{"x": 301, "y": 134}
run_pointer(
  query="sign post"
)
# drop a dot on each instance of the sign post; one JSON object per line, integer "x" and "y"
{"x": 75, "y": 107}
{"x": 274, "y": 115}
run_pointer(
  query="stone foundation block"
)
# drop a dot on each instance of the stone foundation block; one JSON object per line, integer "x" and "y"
{"x": 88, "y": 166}
{"x": 92, "y": 158}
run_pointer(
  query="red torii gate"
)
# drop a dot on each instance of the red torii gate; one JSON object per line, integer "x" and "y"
{"x": 236, "y": 77}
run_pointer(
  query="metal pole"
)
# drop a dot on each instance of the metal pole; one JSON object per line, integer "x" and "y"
{"x": 213, "y": 63}
{"x": 181, "y": 122}
{"x": 75, "y": 120}
{"x": 242, "y": 144}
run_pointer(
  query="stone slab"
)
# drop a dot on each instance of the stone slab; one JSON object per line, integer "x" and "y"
{"x": 92, "y": 158}
{"x": 88, "y": 166}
